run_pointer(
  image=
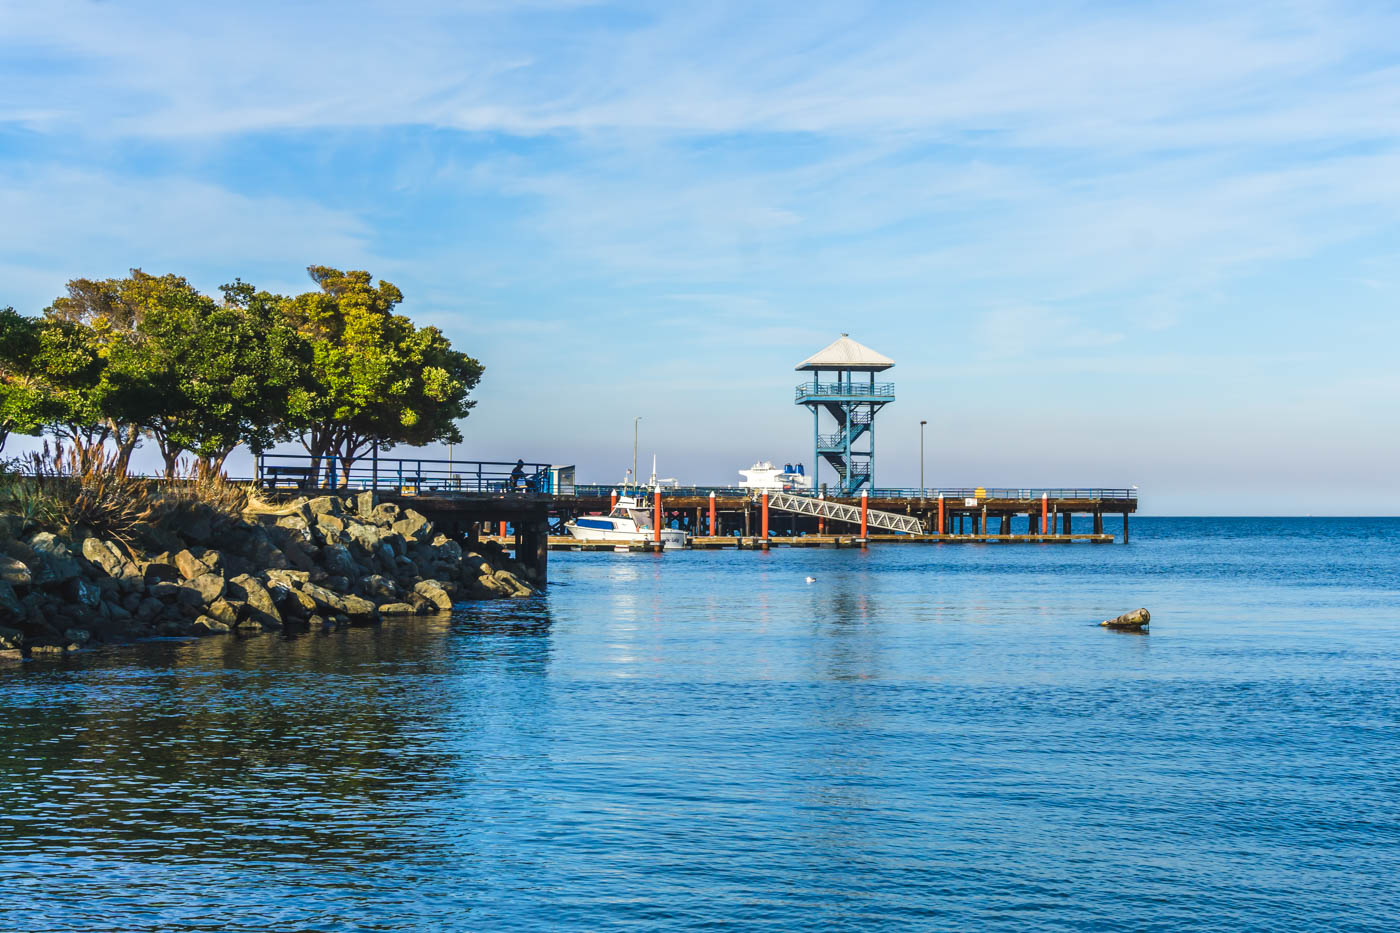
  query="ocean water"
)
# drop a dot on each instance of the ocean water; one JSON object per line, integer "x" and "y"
{"x": 927, "y": 737}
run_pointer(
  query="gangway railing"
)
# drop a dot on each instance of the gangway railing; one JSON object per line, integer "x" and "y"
{"x": 839, "y": 511}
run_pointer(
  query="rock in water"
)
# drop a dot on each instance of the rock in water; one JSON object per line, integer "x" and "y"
{"x": 1138, "y": 618}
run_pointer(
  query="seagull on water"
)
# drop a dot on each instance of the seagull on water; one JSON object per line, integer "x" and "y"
{"x": 811, "y": 579}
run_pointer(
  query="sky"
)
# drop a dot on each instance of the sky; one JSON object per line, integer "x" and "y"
{"x": 1106, "y": 244}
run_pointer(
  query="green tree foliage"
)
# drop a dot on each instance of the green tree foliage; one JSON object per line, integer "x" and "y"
{"x": 378, "y": 380}
{"x": 111, "y": 380}
{"x": 114, "y": 360}
{"x": 24, "y": 404}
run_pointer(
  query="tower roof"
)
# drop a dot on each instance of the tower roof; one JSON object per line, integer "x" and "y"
{"x": 845, "y": 353}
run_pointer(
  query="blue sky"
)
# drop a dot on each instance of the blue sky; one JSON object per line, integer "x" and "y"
{"x": 1105, "y": 243}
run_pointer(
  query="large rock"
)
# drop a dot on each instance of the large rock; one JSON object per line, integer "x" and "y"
{"x": 396, "y": 609}
{"x": 365, "y": 502}
{"x": 258, "y": 601}
{"x": 158, "y": 572}
{"x": 329, "y": 524}
{"x": 18, "y": 550}
{"x": 84, "y": 593}
{"x": 414, "y": 526}
{"x": 365, "y": 535}
{"x": 14, "y": 572}
{"x": 223, "y": 610}
{"x": 291, "y": 578}
{"x": 323, "y": 597}
{"x": 447, "y": 549}
{"x": 55, "y": 563}
{"x": 379, "y": 587}
{"x": 214, "y": 560}
{"x": 297, "y": 555}
{"x": 293, "y": 602}
{"x": 336, "y": 558}
{"x": 324, "y": 505}
{"x": 433, "y": 592}
{"x": 385, "y": 514}
{"x": 209, "y": 586}
{"x": 189, "y": 565}
{"x": 206, "y": 625}
{"x": 10, "y": 606}
{"x": 358, "y": 608}
{"x": 299, "y": 527}
{"x": 109, "y": 557}
{"x": 517, "y": 586}
{"x": 263, "y": 552}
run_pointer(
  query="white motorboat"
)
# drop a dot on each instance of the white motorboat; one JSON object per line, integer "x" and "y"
{"x": 629, "y": 522}
{"x": 765, "y": 477}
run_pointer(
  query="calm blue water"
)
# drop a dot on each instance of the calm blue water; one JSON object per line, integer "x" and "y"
{"x": 925, "y": 738}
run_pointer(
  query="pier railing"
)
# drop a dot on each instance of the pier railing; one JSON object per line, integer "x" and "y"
{"x": 414, "y": 476}
{"x": 1084, "y": 492}
{"x": 979, "y": 493}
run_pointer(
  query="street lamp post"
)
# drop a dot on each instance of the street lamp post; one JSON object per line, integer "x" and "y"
{"x": 922, "y": 488}
{"x": 635, "y": 422}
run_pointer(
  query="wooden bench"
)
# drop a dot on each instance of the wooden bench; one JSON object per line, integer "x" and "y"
{"x": 300, "y": 476}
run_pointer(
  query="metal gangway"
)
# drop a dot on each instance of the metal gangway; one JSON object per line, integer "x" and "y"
{"x": 824, "y": 508}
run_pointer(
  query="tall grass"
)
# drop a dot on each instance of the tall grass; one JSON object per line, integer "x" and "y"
{"x": 71, "y": 493}
{"x": 62, "y": 490}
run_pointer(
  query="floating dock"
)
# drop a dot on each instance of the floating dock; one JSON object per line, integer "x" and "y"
{"x": 735, "y": 542}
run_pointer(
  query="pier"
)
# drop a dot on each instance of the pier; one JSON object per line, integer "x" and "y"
{"x": 524, "y": 506}
{"x": 1003, "y": 515}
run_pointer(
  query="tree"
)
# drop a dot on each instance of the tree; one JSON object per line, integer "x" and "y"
{"x": 113, "y": 381}
{"x": 24, "y": 404}
{"x": 377, "y": 379}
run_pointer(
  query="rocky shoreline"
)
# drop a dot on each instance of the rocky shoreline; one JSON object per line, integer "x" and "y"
{"x": 305, "y": 565}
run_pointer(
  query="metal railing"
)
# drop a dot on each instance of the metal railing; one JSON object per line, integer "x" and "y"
{"x": 1004, "y": 493}
{"x": 411, "y": 476}
{"x": 845, "y": 390}
{"x": 979, "y": 493}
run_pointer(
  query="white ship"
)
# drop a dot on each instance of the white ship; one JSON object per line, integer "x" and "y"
{"x": 630, "y": 522}
{"x": 763, "y": 476}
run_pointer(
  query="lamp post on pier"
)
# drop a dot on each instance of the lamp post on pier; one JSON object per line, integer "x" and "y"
{"x": 635, "y": 422}
{"x": 922, "y": 488}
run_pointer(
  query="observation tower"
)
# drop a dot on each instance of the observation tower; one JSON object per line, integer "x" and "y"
{"x": 840, "y": 387}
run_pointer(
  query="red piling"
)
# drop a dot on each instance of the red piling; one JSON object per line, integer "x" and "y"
{"x": 656, "y": 531}
{"x": 713, "y": 526}
{"x": 864, "y": 507}
{"x": 765, "y": 516}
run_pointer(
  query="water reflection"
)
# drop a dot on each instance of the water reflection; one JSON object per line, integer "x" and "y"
{"x": 227, "y": 747}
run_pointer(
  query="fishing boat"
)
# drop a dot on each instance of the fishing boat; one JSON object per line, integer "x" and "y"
{"x": 629, "y": 522}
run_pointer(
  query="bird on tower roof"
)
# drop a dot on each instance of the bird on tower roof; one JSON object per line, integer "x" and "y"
{"x": 846, "y": 354}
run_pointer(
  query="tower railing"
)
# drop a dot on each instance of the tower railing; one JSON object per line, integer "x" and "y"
{"x": 845, "y": 390}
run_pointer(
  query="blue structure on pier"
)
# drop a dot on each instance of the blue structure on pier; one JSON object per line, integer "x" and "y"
{"x": 852, "y": 401}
